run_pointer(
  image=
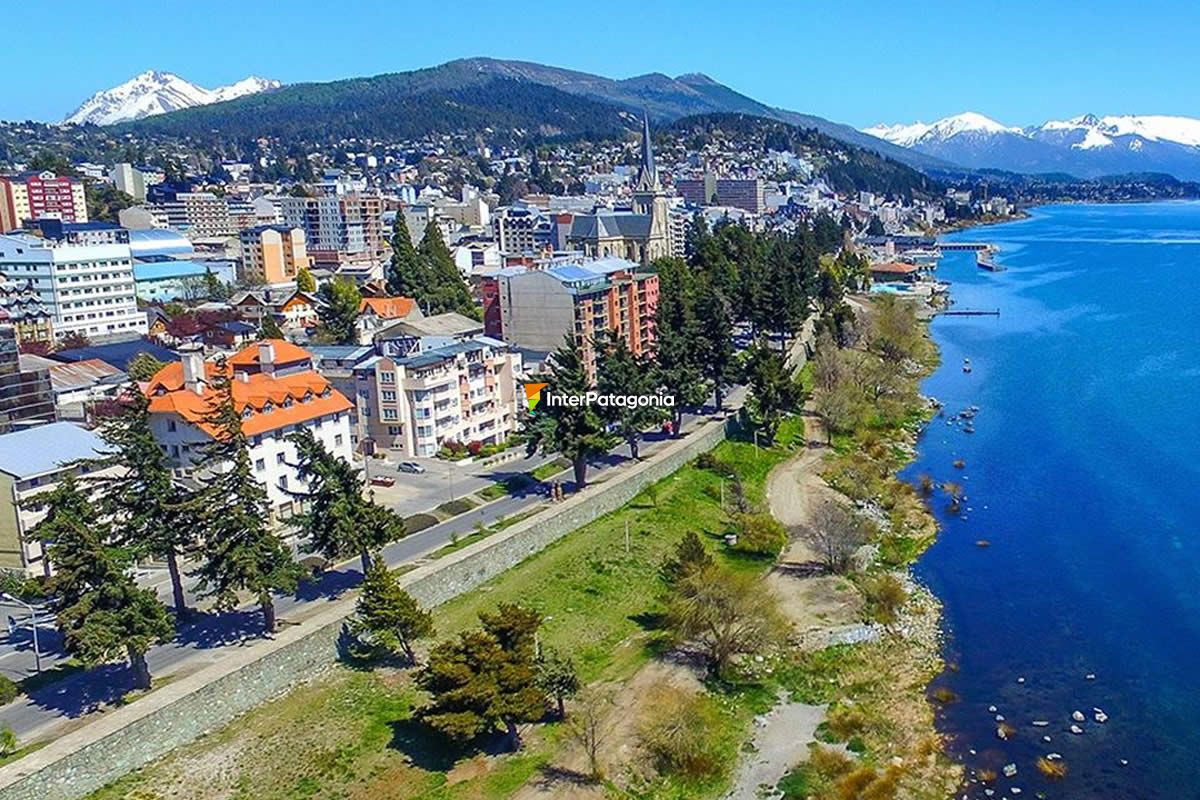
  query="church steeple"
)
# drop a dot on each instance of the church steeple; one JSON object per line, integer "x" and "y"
{"x": 647, "y": 179}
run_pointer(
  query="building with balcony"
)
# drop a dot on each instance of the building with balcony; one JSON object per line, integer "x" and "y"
{"x": 276, "y": 391}
{"x": 414, "y": 394}
{"x": 533, "y": 309}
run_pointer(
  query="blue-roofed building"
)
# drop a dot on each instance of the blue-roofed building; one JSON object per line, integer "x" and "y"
{"x": 117, "y": 354}
{"x": 33, "y": 461}
{"x": 159, "y": 242}
{"x": 161, "y": 279}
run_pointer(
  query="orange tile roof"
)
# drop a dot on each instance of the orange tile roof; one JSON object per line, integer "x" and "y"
{"x": 255, "y": 391}
{"x": 895, "y": 268}
{"x": 285, "y": 353}
{"x": 388, "y": 307}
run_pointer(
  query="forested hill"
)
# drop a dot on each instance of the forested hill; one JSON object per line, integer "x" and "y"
{"x": 845, "y": 167}
{"x": 393, "y": 107}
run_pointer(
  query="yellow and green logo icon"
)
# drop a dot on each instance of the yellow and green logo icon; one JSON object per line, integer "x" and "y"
{"x": 533, "y": 394}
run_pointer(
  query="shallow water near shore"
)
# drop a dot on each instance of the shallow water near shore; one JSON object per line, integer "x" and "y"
{"x": 1083, "y": 475}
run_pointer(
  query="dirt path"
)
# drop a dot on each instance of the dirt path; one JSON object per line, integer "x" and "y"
{"x": 780, "y": 740}
{"x": 810, "y": 599}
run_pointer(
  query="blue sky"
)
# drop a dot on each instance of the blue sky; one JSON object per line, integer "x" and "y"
{"x": 857, "y": 62}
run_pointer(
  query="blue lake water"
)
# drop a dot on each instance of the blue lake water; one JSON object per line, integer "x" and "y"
{"x": 1083, "y": 473}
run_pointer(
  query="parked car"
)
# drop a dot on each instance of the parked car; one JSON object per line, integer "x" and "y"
{"x": 410, "y": 466}
{"x": 383, "y": 480}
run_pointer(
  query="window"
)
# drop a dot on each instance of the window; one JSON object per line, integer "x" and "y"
{"x": 260, "y": 465}
{"x": 171, "y": 425}
{"x": 279, "y": 458}
{"x": 393, "y": 430}
{"x": 337, "y": 440}
{"x": 283, "y": 481}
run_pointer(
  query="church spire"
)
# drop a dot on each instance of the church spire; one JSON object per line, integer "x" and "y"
{"x": 647, "y": 179}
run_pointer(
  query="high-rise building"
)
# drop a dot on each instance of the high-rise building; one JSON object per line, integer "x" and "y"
{"x": 534, "y": 308}
{"x": 83, "y": 275}
{"x": 339, "y": 228}
{"x": 273, "y": 254}
{"x": 40, "y": 195}
{"x": 747, "y": 194}
{"x": 129, "y": 179}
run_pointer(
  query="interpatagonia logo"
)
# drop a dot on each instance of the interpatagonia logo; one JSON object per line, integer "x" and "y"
{"x": 533, "y": 394}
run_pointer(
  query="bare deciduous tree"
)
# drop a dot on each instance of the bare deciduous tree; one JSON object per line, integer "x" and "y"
{"x": 835, "y": 533}
{"x": 587, "y": 728}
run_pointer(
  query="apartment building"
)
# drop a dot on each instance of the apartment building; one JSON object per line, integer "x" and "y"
{"x": 33, "y": 461}
{"x": 277, "y": 392}
{"x": 746, "y": 194}
{"x": 21, "y": 307}
{"x": 339, "y": 228}
{"x": 40, "y": 195}
{"x": 534, "y": 309}
{"x": 26, "y": 393}
{"x": 417, "y": 392}
{"x": 82, "y": 274}
{"x": 272, "y": 254}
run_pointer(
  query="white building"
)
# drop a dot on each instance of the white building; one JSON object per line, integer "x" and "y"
{"x": 85, "y": 279}
{"x": 277, "y": 393}
{"x": 434, "y": 380}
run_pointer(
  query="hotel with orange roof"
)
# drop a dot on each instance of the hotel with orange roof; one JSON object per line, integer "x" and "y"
{"x": 277, "y": 392}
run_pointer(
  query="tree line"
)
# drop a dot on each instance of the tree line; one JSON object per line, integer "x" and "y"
{"x": 767, "y": 285}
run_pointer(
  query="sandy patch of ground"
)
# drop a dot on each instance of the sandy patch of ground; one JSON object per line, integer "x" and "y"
{"x": 567, "y": 776}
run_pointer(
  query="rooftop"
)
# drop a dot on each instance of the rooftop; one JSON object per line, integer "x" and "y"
{"x": 47, "y": 448}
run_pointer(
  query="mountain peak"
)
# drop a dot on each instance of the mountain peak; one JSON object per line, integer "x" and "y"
{"x": 156, "y": 92}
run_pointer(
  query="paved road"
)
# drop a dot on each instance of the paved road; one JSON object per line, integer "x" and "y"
{"x": 205, "y": 637}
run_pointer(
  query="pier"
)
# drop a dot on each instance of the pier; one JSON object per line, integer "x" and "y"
{"x": 945, "y": 246}
{"x": 971, "y": 312}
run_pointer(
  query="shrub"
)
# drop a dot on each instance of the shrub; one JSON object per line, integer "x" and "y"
{"x": 419, "y": 522}
{"x": 885, "y": 595}
{"x": 843, "y": 722}
{"x": 760, "y": 535}
{"x": 474, "y": 448}
{"x": 8, "y": 690}
{"x": 714, "y": 463}
{"x": 8, "y": 741}
{"x": 678, "y": 731}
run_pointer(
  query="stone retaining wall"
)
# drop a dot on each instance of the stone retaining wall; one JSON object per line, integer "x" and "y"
{"x": 127, "y": 738}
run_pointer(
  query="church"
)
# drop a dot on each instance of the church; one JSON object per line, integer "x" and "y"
{"x": 640, "y": 235}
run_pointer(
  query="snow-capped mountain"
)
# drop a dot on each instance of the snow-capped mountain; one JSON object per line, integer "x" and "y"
{"x": 155, "y": 92}
{"x": 1087, "y": 146}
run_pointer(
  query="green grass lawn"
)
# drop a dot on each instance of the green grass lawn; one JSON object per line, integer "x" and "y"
{"x": 350, "y": 734}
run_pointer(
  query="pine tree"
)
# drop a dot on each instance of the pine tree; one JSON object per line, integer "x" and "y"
{"x": 339, "y": 520}
{"x": 154, "y": 514}
{"x": 214, "y": 289}
{"x": 339, "y": 311}
{"x": 102, "y": 614}
{"x": 447, "y": 291}
{"x": 486, "y": 678}
{"x": 270, "y": 328}
{"x": 239, "y": 550}
{"x": 305, "y": 282}
{"x": 620, "y": 372}
{"x": 576, "y": 432}
{"x": 406, "y": 276}
{"x": 676, "y": 337}
{"x": 690, "y": 556}
{"x": 774, "y": 391}
{"x": 389, "y": 616}
{"x": 715, "y": 337}
{"x": 557, "y": 677}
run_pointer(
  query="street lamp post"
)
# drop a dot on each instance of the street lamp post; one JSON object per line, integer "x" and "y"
{"x": 37, "y": 652}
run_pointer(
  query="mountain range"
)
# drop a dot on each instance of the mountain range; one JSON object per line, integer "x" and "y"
{"x": 474, "y": 94}
{"x": 1087, "y": 146}
{"x": 153, "y": 92}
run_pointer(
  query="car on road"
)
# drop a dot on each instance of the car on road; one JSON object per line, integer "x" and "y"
{"x": 383, "y": 480}
{"x": 410, "y": 466}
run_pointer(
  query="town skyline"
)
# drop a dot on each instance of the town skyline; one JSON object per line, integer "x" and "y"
{"x": 816, "y": 69}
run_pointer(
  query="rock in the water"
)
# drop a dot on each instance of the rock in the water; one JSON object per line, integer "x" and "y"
{"x": 992, "y": 709}
{"x": 1101, "y": 717}
{"x": 1091, "y": 676}
{"x": 1075, "y": 729}
{"x": 1010, "y": 770}
{"x": 1078, "y": 716}
{"x": 1041, "y": 723}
